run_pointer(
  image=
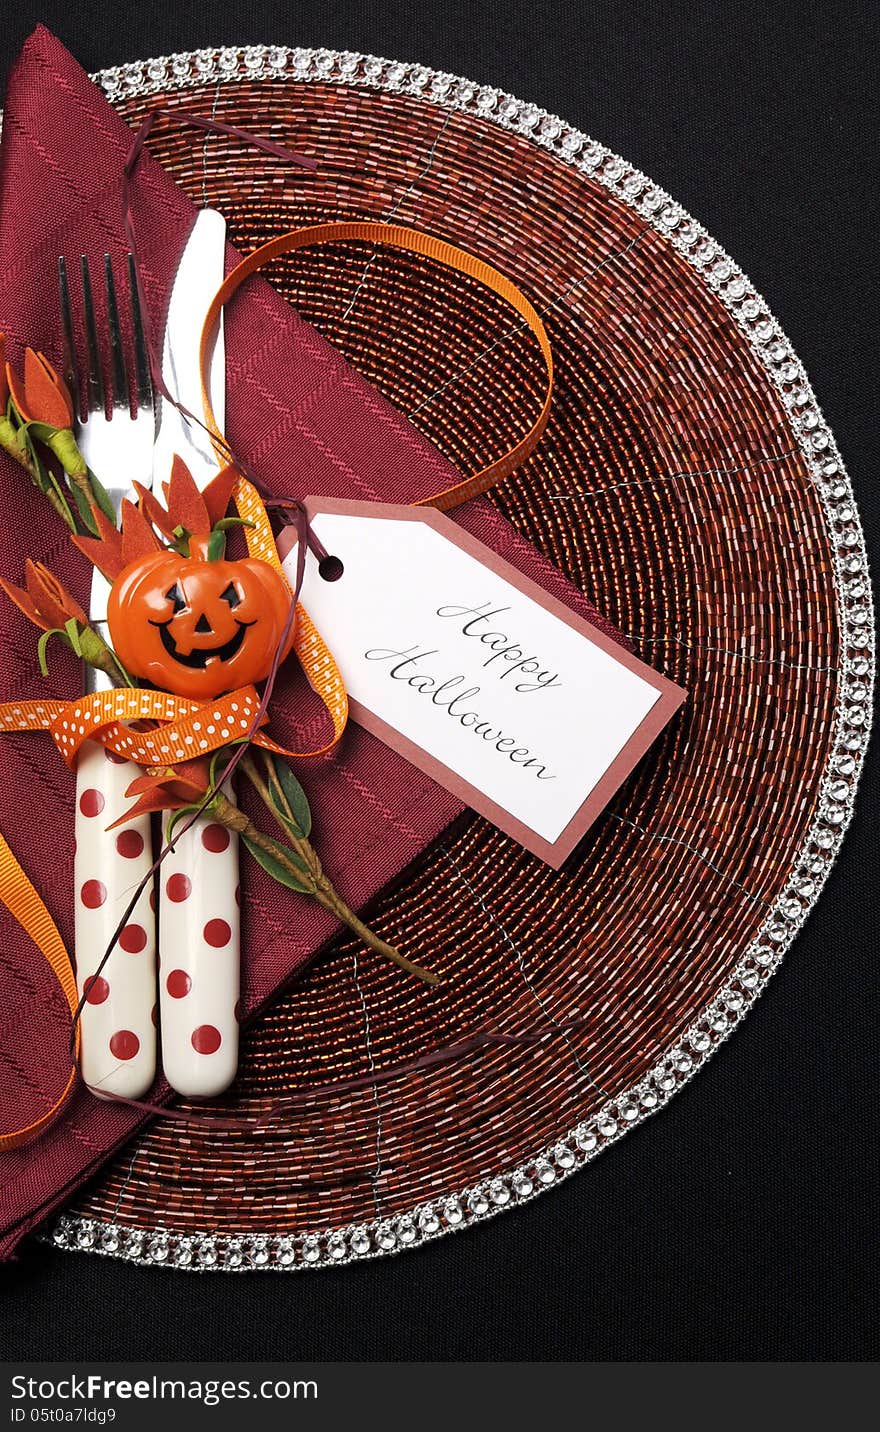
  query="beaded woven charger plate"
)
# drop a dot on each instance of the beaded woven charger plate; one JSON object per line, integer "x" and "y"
{"x": 689, "y": 484}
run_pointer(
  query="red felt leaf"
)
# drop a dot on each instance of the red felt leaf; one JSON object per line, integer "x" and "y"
{"x": 50, "y": 598}
{"x": 154, "y": 512}
{"x": 154, "y": 800}
{"x": 105, "y": 550}
{"x": 24, "y": 603}
{"x": 186, "y": 506}
{"x": 42, "y": 397}
{"x": 138, "y": 538}
{"x": 218, "y": 493}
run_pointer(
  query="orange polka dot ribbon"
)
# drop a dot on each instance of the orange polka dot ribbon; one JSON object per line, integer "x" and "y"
{"x": 312, "y": 652}
{"x": 187, "y": 728}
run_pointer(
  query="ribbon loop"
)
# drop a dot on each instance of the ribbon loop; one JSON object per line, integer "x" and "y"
{"x": 429, "y": 247}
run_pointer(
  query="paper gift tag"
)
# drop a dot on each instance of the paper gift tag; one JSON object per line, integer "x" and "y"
{"x": 475, "y": 674}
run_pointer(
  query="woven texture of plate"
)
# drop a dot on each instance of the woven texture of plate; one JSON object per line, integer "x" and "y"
{"x": 690, "y": 486}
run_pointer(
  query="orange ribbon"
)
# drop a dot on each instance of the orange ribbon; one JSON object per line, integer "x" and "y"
{"x": 429, "y": 247}
{"x": 25, "y": 905}
{"x": 188, "y": 729}
{"x": 313, "y": 654}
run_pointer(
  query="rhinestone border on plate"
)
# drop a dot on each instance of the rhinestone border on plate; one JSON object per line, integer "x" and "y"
{"x": 209, "y": 1251}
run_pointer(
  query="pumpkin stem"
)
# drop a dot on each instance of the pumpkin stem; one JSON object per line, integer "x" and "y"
{"x": 216, "y": 550}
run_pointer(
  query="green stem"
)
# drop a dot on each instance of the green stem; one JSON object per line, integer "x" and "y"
{"x": 10, "y": 443}
{"x": 96, "y": 652}
{"x": 323, "y": 889}
{"x": 300, "y": 843}
{"x": 63, "y": 443}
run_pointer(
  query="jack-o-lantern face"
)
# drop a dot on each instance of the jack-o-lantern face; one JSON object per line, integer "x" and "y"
{"x": 198, "y": 627}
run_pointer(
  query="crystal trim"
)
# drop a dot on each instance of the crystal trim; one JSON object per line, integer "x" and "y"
{"x": 210, "y": 1250}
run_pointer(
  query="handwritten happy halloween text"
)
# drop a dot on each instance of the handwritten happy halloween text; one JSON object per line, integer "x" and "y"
{"x": 529, "y": 677}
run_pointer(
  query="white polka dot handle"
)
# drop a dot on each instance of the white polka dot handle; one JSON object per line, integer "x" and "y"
{"x": 119, "y": 1014}
{"x": 199, "y": 947}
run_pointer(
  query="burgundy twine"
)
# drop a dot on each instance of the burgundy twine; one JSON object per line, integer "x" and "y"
{"x": 445, "y": 1054}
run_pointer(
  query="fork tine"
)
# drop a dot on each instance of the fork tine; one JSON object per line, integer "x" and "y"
{"x": 141, "y": 357}
{"x": 95, "y": 376}
{"x": 70, "y": 374}
{"x": 119, "y": 395}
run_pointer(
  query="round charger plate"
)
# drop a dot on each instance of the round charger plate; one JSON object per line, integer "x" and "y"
{"x": 690, "y": 486}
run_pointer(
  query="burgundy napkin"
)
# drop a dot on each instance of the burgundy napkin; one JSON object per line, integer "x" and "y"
{"x": 309, "y": 424}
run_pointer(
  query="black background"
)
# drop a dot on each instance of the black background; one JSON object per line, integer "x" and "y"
{"x": 741, "y": 1223}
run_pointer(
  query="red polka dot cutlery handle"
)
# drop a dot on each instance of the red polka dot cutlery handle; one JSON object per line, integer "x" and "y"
{"x": 118, "y": 1018}
{"x": 199, "y": 960}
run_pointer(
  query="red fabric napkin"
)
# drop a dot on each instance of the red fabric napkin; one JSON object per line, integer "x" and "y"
{"x": 309, "y": 424}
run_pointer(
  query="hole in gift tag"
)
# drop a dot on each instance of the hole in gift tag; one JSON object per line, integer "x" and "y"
{"x": 331, "y": 568}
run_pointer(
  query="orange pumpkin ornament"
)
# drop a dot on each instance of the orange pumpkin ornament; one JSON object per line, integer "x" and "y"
{"x": 183, "y": 616}
{"x": 196, "y": 626}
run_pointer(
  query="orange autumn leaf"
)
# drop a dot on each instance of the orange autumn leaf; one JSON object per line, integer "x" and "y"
{"x": 168, "y": 788}
{"x": 138, "y": 538}
{"x": 183, "y": 500}
{"x": 105, "y": 550}
{"x": 147, "y": 526}
{"x": 44, "y": 601}
{"x": 41, "y": 396}
{"x": 187, "y": 507}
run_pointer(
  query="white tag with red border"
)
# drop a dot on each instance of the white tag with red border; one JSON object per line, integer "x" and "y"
{"x": 524, "y": 710}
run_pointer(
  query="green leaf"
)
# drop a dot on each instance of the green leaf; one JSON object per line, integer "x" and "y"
{"x": 83, "y": 507}
{"x": 44, "y": 642}
{"x": 72, "y": 629}
{"x": 220, "y": 759}
{"x": 102, "y": 497}
{"x": 62, "y": 498}
{"x": 294, "y": 806}
{"x": 41, "y": 432}
{"x": 274, "y": 867}
{"x": 226, "y": 523}
{"x": 43, "y": 479}
{"x": 46, "y": 479}
{"x": 219, "y": 762}
{"x": 213, "y": 768}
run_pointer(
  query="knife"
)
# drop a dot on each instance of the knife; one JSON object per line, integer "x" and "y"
{"x": 199, "y": 941}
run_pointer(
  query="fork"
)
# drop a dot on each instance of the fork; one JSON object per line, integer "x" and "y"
{"x": 119, "y": 1012}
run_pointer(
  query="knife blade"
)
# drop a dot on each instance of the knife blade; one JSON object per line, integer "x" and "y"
{"x": 198, "y": 913}
{"x": 199, "y": 275}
